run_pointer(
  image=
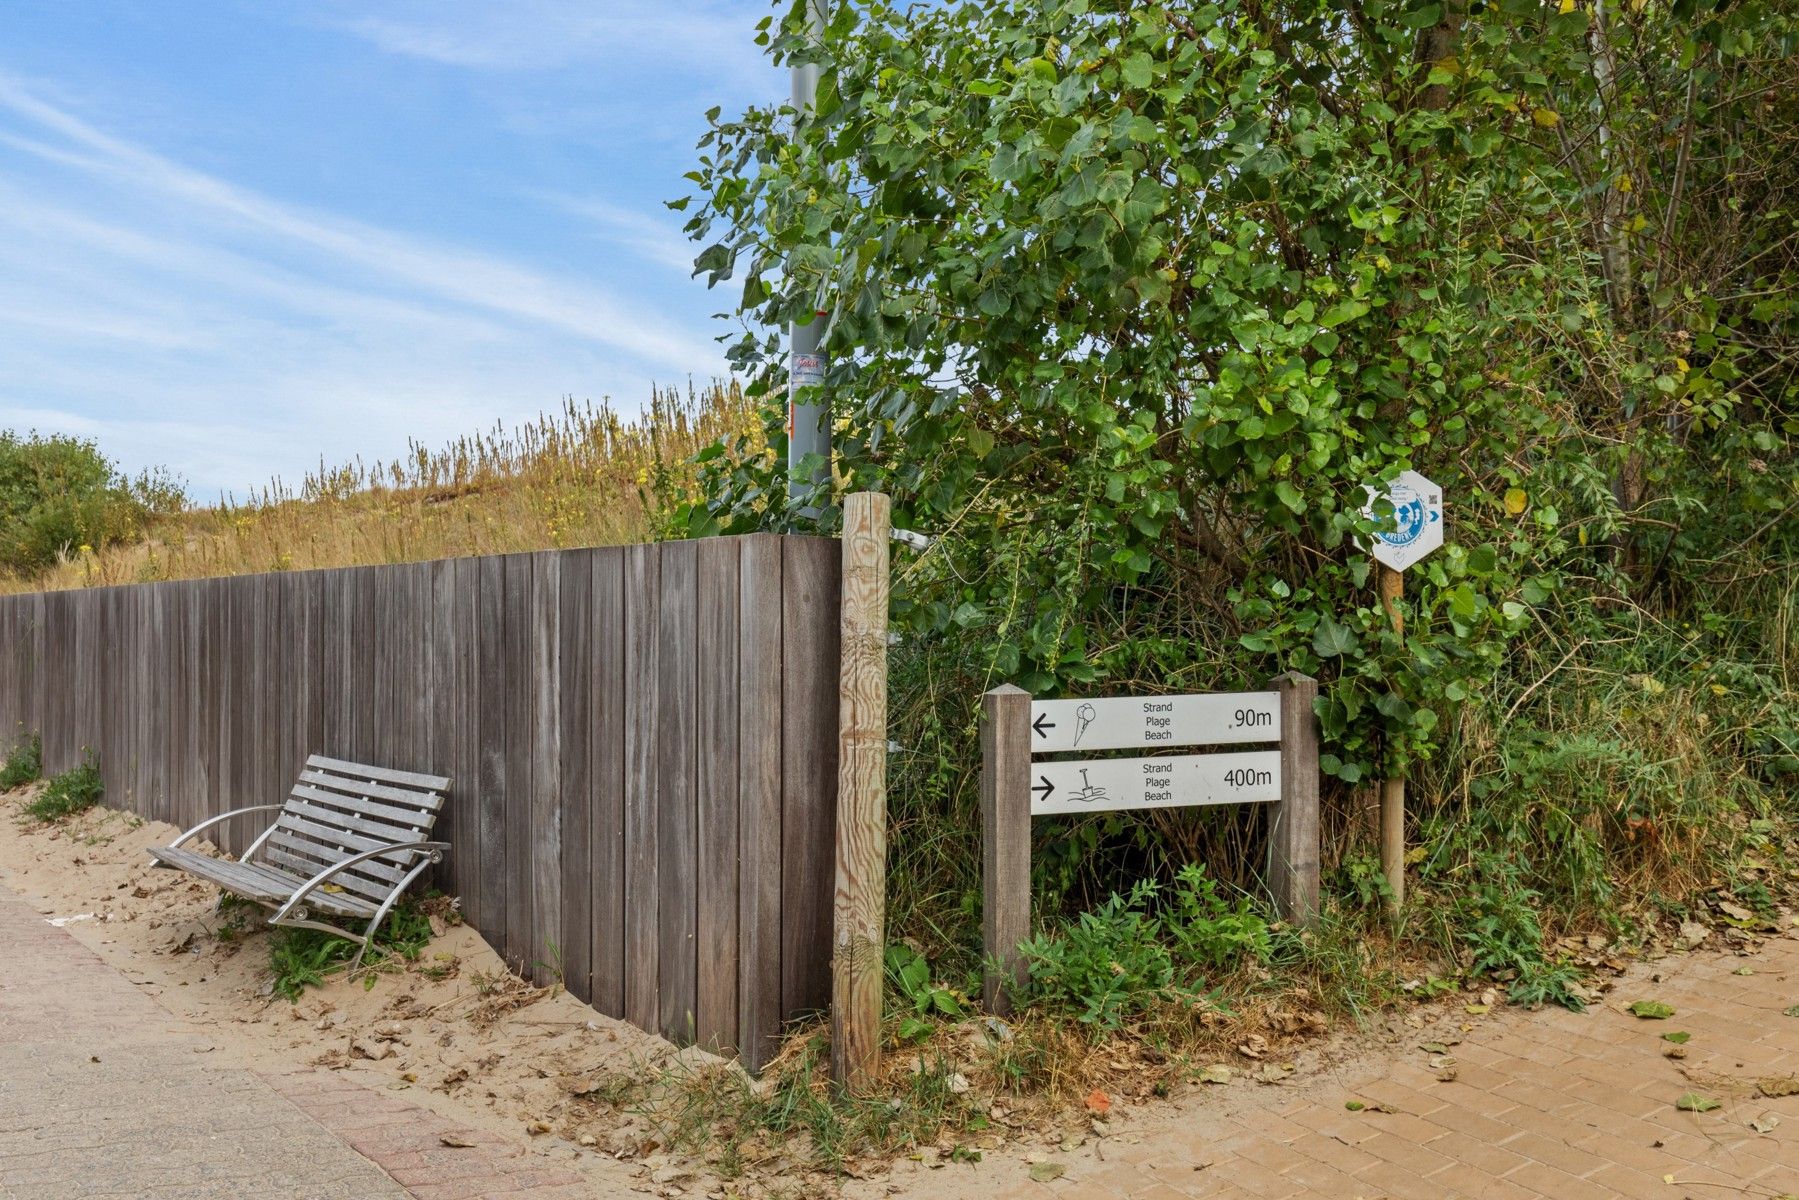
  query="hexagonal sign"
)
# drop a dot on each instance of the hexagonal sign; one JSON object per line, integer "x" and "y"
{"x": 1415, "y": 527}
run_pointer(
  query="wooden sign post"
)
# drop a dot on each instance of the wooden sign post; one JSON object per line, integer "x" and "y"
{"x": 1412, "y": 529}
{"x": 1014, "y": 788}
{"x": 860, "y": 910}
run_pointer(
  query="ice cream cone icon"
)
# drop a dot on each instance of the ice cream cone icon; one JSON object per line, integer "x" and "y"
{"x": 1083, "y": 717}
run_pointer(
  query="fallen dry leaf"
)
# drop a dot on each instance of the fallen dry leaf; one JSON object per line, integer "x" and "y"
{"x": 1098, "y": 1103}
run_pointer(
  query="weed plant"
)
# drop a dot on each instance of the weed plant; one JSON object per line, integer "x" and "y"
{"x": 24, "y": 764}
{"x": 74, "y": 791}
{"x": 302, "y": 958}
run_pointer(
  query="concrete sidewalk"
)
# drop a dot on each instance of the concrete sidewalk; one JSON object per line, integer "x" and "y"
{"x": 104, "y": 1093}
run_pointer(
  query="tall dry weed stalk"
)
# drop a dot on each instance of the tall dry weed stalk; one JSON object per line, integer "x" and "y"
{"x": 581, "y": 476}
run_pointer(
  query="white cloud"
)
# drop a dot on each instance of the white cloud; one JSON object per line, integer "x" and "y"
{"x": 181, "y": 319}
{"x": 466, "y": 277}
{"x": 656, "y": 241}
{"x": 529, "y": 35}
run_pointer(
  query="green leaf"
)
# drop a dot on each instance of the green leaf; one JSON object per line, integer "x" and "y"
{"x": 1139, "y": 70}
{"x": 1652, "y": 1010}
{"x": 1047, "y": 1172}
{"x": 1347, "y": 310}
{"x": 1330, "y": 639}
{"x": 1290, "y": 496}
{"x": 1679, "y": 1037}
{"x": 1694, "y": 1102}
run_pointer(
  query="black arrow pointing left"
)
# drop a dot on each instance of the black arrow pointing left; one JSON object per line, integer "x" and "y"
{"x": 1042, "y": 725}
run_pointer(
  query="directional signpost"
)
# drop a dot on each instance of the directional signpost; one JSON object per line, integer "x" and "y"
{"x": 1412, "y": 529}
{"x": 1016, "y": 787}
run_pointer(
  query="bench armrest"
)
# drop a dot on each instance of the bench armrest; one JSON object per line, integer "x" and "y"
{"x": 433, "y": 852}
{"x": 210, "y": 822}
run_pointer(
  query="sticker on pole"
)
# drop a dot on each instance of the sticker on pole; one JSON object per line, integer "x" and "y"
{"x": 1415, "y": 526}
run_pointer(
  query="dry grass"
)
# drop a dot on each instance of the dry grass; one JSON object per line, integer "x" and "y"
{"x": 583, "y": 476}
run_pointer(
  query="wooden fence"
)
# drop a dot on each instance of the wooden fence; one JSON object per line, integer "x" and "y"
{"x": 643, "y": 742}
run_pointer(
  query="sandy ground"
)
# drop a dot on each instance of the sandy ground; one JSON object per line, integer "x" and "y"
{"x": 456, "y": 1031}
{"x": 462, "y": 1036}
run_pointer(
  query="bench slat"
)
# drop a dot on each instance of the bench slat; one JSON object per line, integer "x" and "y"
{"x": 302, "y": 846}
{"x": 362, "y": 791}
{"x": 410, "y": 817}
{"x": 349, "y": 881}
{"x": 417, "y": 831}
{"x": 336, "y": 835}
{"x": 299, "y": 844}
{"x": 431, "y": 783}
{"x": 258, "y": 882}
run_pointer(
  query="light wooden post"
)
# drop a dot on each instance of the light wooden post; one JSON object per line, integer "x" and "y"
{"x": 1005, "y": 840}
{"x": 860, "y": 910}
{"x": 1293, "y": 865}
{"x": 1390, "y": 586}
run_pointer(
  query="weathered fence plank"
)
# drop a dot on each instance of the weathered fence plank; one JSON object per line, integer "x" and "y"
{"x": 810, "y": 587}
{"x": 607, "y": 799}
{"x": 716, "y": 769}
{"x": 677, "y": 845}
{"x": 761, "y": 604}
{"x": 574, "y": 747}
{"x": 642, "y": 896}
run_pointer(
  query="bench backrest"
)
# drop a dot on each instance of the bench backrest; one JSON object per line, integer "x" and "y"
{"x": 340, "y": 809}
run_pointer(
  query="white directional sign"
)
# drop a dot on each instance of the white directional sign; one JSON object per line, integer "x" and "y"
{"x": 1414, "y": 528}
{"x": 1106, "y": 784}
{"x": 1125, "y": 723}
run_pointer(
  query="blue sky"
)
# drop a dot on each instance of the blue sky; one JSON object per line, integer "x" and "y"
{"x": 237, "y": 236}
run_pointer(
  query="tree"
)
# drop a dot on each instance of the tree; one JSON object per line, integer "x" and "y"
{"x": 1130, "y": 301}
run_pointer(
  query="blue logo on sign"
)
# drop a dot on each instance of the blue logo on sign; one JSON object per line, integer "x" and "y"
{"x": 1409, "y": 517}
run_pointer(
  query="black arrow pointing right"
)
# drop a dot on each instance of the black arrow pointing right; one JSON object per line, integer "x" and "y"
{"x": 1042, "y": 724}
{"x": 1046, "y": 787}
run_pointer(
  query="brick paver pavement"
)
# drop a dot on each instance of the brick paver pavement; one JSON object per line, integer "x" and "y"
{"x": 1547, "y": 1104}
{"x": 103, "y": 1092}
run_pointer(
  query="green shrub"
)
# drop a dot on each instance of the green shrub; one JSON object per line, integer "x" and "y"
{"x": 302, "y": 958}
{"x": 75, "y": 790}
{"x": 1206, "y": 930}
{"x": 24, "y": 764}
{"x": 909, "y": 980}
{"x": 58, "y": 494}
{"x": 1107, "y": 965}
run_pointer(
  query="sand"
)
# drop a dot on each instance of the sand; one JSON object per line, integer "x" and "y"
{"x": 456, "y": 1032}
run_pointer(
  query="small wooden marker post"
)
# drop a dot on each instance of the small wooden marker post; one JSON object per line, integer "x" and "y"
{"x": 1293, "y": 865}
{"x": 1005, "y": 841}
{"x": 860, "y": 909}
{"x": 1013, "y": 788}
{"x": 1390, "y": 587}
{"x": 1412, "y": 529}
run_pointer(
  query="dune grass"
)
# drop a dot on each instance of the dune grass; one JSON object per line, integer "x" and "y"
{"x": 580, "y": 476}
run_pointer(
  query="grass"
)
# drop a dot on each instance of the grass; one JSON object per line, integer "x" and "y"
{"x": 303, "y": 958}
{"x": 75, "y": 790}
{"x": 581, "y": 476}
{"x": 24, "y": 764}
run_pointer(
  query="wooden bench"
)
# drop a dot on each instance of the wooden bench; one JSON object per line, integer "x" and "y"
{"x": 348, "y": 841}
